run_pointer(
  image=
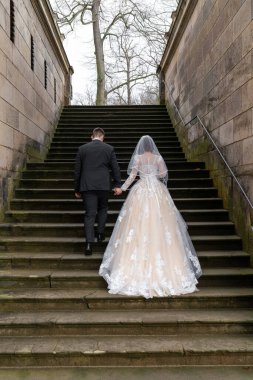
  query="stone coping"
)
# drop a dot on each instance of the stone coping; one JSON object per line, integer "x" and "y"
{"x": 45, "y": 14}
{"x": 180, "y": 21}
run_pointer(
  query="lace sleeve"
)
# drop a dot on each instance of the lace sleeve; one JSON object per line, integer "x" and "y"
{"x": 162, "y": 169}
{"x": 129, "y": 180}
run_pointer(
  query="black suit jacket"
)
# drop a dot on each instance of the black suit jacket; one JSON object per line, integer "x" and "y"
{"x": 92, "y": 169}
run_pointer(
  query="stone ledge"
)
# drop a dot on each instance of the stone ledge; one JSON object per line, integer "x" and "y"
{"x": 130, "y": 373}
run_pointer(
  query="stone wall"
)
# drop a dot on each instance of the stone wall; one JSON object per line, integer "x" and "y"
{"x": 28, "y": 111}
{"x": 208, "y": 71}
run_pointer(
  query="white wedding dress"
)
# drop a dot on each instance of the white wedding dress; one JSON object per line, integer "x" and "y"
{"x": 150, "y": 253}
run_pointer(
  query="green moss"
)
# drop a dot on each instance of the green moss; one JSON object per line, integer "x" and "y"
{"x": 202, "y": 150}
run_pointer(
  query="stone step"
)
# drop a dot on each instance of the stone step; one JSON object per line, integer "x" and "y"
{"x": 138, "y": 128}
{"x": 113, "y": 140}
{"x": 22, "y": 193}
{"x": 69, "y": 174}
{"x": 120, "y": 114}
{"x": 56, "y": 278}
{"x": 77, "y": 230}
{"x": 122, "y": 119}
{"x": 65, "y": 183}
{"x": 134, "y": 322}
{"x": 75, "y": 143}
{"x": 116, "y": 113}
{"x": 45, "y": 244}
{"x": 100, "y": 116}
{"x": 53, "y": 299}
{"x": 125, "y": 122}
{"x": 129, "y": 373}
{"x": 124, "y": 350}
{"x": 186, "y": 204}
{"x": 60, "y": 165}
{"x": 121, "y": 155}
{"x": 54, "y": 260}
{"x": 136, "y": 134}
{"x": 39, "y": 212}
{"x": 119, "y": 151}
{"x": 115, "y": 108}
{"x": 120, "y": 161}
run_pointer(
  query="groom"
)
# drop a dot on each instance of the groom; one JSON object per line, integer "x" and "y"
{"x": 92, "y": 183}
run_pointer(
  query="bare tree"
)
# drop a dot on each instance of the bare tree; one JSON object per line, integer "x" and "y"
{"x": 88, "y": 98}
{"x": 127, "y": 69}
{"x": 109, "y": 18}
{"x": 91, "y": 12}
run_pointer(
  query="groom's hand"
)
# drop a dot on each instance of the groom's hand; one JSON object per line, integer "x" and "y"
{"x": 117, "y": 191}
{"x": 78, "y": 195}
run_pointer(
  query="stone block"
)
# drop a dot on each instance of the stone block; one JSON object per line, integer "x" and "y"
{"x": 247, "y": 38}
{"x": 226, "y": 133}
{"x": 247, "y": 95}
{"x": 3, "y": 17}
{"x": 6, "y": 135}
{"x": 212, "y": 17}
{"x": 220, "y": 115}
{"x": 242, "y": 18}
{"x": 6, "y": 89}
{"x": 6, "y": 44}
{"x": 233, "y": 153}
{"x": 19, "y": 140}
{"x": 243, "y": 125}
{"x": 19, "y": 61}
{"x": 234, "y": 104}
{"x": 6, "y": 157}
{"x": 240, "y": 74}
{"x": 220, "y": 25}
{"x": 3, "y": 64}
{"x": 20, "y": 83}
{"x": 208, "y": 82}
{"x": 248, "y": 151}
{"x": 233, "y": 54}
{"x": 226, "y": 39}
{"x": 22, "y": 46}
{"x": 12, "y": 118}
{"x": 21, "y": 21}
{"x": 212, "y": 99}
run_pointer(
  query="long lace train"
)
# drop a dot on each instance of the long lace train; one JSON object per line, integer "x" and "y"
{"x": 150, "y": 252}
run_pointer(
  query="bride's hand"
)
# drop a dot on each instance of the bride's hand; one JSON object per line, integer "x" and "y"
{"x": 117, "y": 191}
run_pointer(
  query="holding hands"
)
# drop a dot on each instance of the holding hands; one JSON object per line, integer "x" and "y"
{"x": 117, "y": 191}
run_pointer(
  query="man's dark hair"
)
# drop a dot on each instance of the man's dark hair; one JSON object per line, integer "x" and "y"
{"x": 98, "y": 132}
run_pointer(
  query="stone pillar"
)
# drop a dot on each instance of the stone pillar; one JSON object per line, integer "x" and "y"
{"x": 161, "y": 85}
{"x": 68, "y": 87}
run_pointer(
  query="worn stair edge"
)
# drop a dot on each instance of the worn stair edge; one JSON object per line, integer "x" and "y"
{"x": 233, "y": 349}
{"x": 99, "y": 299}
{"x": 135, "y": 322}
{"x": 130, "y": 373}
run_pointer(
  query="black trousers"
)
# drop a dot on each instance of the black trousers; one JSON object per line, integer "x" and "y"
{"x": 95, "y": 203}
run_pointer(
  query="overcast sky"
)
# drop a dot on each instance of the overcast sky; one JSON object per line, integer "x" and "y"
{"x": 79, "y": 47}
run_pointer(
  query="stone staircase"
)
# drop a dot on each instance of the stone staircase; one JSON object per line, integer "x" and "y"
{"x": 55, "y": 310}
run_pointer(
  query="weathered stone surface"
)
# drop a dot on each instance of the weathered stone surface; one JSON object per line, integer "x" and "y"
{"x": 124, "y": 373}
{"x": 243, "y": 125}
{"x": 25, "y": 105}
{"x": 225, "y": 69}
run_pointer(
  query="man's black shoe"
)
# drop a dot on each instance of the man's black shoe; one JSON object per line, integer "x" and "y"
{"x": 88, "y": 249}
{"x": 101, "y": 237}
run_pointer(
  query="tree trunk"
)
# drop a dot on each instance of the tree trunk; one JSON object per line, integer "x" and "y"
{"x": 129, "y": 100}
{"x": 99, "y": 53}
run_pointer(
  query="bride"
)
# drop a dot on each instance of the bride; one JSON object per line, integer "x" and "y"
{"x": 150, "y": 253}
